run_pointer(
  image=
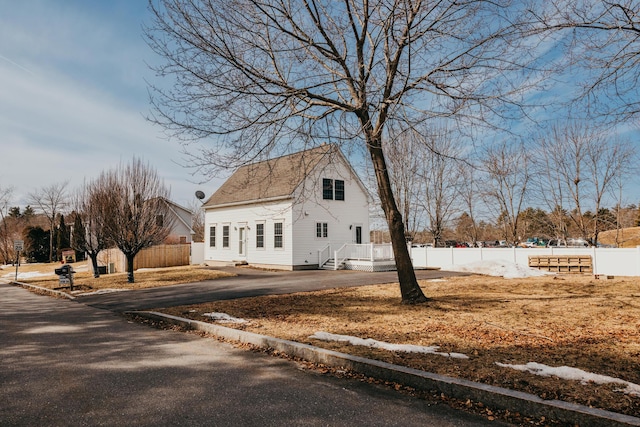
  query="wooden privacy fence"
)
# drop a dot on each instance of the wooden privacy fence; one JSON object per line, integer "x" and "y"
{"x": 153, "y": 257}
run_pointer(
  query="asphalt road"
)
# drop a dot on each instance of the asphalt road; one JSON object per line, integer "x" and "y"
{"x": 248, "y": 282}
{"x": 63, "y": 363}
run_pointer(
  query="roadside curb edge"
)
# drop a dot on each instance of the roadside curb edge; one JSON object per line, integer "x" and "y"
{"x": 496, "y": 397}
{"x": 43, "y": 289}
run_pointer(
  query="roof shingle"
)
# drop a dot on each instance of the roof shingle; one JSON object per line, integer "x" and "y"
{"x": 269, "y": 179}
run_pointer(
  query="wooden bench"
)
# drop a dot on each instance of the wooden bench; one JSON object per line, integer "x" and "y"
{"x": 562, "y": 263}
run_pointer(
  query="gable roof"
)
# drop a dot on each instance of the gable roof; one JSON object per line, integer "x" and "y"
{"x": 273, "y": 179}
{"x": 173, "y": 207}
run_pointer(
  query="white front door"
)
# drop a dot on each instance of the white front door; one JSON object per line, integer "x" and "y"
{"x": 241, "y": 241}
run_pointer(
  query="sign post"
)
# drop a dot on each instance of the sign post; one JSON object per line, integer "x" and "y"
{"x": 18, "y": 246}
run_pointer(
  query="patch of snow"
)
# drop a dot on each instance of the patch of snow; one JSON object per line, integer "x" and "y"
{"x": 100, "y": 292}
{"x": 437, "y": 280}
{"x": 503, "y": 268}
{"x": 406, "y": 348}
{"x": 224, "y": 318}
{"x": 568, "y": 373}
{"x": 26, "y": 275}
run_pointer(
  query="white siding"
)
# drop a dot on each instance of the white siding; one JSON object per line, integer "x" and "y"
{"x": 299, "y": 216}
{"x": 342, "y": 216}
{"x": 248, "y": 216}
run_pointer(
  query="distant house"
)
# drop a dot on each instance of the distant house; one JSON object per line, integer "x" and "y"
{"x": 281, "y": 212}
{"x": 181, "y": 223}
{"x": 175, "y": 250}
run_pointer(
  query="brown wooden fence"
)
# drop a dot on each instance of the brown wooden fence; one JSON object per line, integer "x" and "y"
{"x": 562, "y": 263}
{"x": 153, "y": 257}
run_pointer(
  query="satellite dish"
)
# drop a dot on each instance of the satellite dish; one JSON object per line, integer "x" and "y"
{"x": 199, "y": 194}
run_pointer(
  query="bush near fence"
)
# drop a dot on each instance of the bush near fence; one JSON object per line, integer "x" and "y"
{"x": 152, "y": 257}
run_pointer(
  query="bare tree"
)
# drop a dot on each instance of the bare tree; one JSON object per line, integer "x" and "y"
{"x": 470, "y": 197}
{"x": 136, "y": 214}
{"x": 438, "y": 169}
{"x": 605, "y": 161}
{"x": 507, "y": 168}
{"x": 603, "y": 38}
{"x": 90, "y": 203}
{"x": 197, "y": 220}
{"x": 6, "y": 244}
{"x": 404, "y": 154}
{"x": 256, "y": 74}
{"x": 51, "y": 200}
{"x": 580, "y": 168}
{"x": 546, "y": 162}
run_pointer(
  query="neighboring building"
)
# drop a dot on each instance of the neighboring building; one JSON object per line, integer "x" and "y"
{"x": 181, "y": 223}
{"x": 175, "y": 250}
{"x": 281, "y": 212}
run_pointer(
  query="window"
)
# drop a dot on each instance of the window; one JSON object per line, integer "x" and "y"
{"x": 212, "y": 236}
{"x": 322, "y": 230}
{"x": 332, "y": 189}
{"x": 225, "y": 236}
{"x": 259, "y": 235}
{"x": 160, "y": 220}
{"x": 327, "y": 189}
{"x": 277, "y": 235}
{"x": 339, "y": 189}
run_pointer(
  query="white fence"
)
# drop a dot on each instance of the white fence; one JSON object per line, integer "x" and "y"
{"x": 611, "y": 261}
{"x": 197, "y": 253}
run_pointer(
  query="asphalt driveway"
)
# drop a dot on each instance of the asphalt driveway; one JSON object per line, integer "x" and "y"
{"x": 247, "y": 282}
{"x": 68, "y": 364}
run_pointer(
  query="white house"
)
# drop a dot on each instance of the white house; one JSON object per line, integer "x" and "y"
{"x": 282, "y": 212}
{"x": 181, "y": 223}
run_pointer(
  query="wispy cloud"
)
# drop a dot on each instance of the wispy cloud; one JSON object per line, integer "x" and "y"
{"x": 74, "y": 97}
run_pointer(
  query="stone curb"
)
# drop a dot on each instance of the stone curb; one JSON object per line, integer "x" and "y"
{"x": 42, "y": 289}
{"x": 495, "y": 397}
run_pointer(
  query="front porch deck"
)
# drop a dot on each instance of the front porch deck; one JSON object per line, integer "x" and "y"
{"x": 362, "y": 257}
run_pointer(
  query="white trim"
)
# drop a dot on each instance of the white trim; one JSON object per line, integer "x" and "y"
{"x": 250, "y": 202}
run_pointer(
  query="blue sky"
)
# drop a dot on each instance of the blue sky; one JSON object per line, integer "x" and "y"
{"x": 73, "y": 96}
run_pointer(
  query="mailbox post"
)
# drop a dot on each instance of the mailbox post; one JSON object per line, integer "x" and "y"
{"x": 18, "y": 246}
{"x": 65, "y": 274}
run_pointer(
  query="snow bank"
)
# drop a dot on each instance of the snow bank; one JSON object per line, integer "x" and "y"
{"x": 503, "y": 268}
{"x": 406, "y": 348}
{"x": 25, "y": 275}
{"x": 224, "y": 318}
{"x": 568, "y": 373}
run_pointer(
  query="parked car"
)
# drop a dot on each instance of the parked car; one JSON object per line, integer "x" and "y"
{"x": 557, "y": 243}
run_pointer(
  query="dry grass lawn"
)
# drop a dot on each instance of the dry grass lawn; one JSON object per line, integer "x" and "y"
{"x": 626, "y": 237}
{"x": 144, "y": 278}
{"x": 569, "y": 320}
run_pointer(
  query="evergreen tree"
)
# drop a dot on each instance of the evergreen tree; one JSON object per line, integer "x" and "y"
{"x": 14, "y": 212}
{"x": 36, "y": 245}
{"x": 62, "y": 236}
{"x": 78, "y": 239}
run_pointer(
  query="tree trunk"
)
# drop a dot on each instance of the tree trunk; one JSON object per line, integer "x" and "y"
{"x": 130, "y": 258}
{"x": 94, "y": 264}
{"x": 409, "y": 288}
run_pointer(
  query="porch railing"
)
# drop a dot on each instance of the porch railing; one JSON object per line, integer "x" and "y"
{"x": 324, "y": 255}
{"x": 359, "y": 252}
{"x": 340, "y": 256}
